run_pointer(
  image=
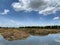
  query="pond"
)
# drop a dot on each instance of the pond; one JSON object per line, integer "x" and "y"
{"x": 51, "y": 39}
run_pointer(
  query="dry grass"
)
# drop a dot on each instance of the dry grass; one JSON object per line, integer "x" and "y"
{"x": 14, "y": 34}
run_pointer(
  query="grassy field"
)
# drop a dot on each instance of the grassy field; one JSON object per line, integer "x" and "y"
{"x": 22, "y": 33}
{"x": 13, "y": 34}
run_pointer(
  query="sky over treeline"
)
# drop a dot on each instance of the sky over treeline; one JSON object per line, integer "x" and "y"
{"x": 15, "y": 13}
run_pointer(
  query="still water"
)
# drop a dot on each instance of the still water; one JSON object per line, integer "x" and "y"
{"x": 51, "y": 39}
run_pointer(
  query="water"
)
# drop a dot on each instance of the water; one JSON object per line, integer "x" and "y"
{"x": 51, "y": 39}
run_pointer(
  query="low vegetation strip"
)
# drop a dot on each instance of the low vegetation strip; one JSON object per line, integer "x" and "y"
{"x": 21, "y": 33}
{"x": 13, "y": 34}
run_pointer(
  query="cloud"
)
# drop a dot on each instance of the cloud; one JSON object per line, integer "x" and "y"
{"x": 56, "y": 18}
{"x": 48, "y": 10}
{"x": 57, "y": 40}
{"x": 11, "y": 23}
{"x": 1, "y": 37}
{"x": 42, "y": 6}
{"x": 16, "y": 23}
{"x": 5, "y": 12}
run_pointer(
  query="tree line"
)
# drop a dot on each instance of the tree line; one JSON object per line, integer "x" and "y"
{"x": 41, "y": 27}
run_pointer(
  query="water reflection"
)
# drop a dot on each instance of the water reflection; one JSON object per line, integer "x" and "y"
{"x": 51, "y": 39}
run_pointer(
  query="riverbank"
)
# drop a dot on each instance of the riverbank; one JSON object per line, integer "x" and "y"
{"x": 21, "y": 33}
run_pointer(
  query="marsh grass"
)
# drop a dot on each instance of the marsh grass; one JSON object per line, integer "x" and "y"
{"x": 24, "y": 32}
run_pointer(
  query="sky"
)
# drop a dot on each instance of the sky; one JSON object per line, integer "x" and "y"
{"x": 15, "y": 13}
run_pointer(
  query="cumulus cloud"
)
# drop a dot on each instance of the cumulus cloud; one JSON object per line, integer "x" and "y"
{"x": 55, "y": 18}
{"x": 42, "y": 6}
{"x": 5, "y": 12}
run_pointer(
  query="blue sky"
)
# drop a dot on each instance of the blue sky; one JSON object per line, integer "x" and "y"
{"x": 15, "y": 13}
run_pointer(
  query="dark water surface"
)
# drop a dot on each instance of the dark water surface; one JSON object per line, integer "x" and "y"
{"x": 51, "y": 39}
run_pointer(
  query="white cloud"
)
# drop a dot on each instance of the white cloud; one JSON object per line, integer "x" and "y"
{"x": 57, "y": 40}
{"x": 11, "y": 23}
{"x": 48, "y": 10}
{"x": 16, "y": 23}
{"x": 1, "y": 37}
{"x": 42, "y": 6}
{"x": 5, "y": 12}
{"x": 55, "y": 18}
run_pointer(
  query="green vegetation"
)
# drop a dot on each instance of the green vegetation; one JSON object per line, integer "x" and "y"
{"x": 43, "y": 27}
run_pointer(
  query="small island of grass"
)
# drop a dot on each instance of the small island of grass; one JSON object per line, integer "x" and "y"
{"x": 24, "y": 32}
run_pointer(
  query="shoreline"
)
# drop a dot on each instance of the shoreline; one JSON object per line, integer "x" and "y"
{"x": 15, "y": 34}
